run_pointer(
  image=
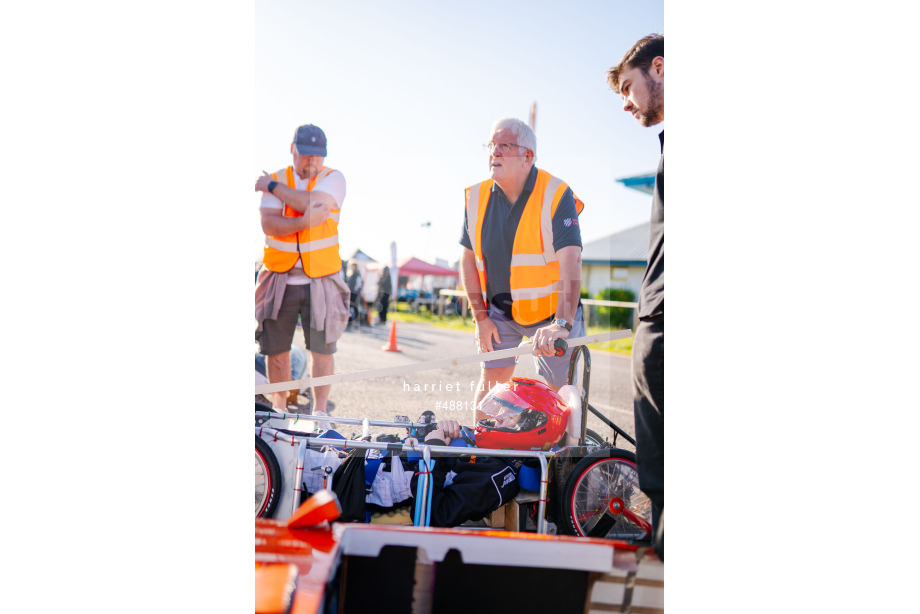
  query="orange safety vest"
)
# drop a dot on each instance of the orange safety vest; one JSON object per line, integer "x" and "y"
{"x": 534, "y": 265}
{"x": 317, "y": 247}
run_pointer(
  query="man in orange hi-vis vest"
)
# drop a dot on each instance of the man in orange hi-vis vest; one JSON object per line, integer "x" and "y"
{"x": 521, "y": 258}
{"x": 301, "y": 266}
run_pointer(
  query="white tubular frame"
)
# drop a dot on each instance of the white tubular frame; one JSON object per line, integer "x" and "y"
{"x": 422, "y": 449}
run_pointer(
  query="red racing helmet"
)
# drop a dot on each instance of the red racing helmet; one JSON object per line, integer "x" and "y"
{"x": 523, "y": 414}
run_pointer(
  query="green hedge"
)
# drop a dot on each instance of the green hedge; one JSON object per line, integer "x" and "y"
{"x": 613, "y": 317}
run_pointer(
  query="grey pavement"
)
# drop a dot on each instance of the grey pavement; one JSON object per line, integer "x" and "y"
{"x": 361, "y": 349}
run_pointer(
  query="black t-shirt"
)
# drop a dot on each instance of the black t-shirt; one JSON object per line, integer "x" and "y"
{"x": 499, "y": 227}
{"x": 651, "y": 295}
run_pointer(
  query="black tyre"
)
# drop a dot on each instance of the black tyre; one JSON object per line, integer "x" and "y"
{"x": 592, "y": 438}
{"x": 268, "y": 480}
{"x": 602, "y": 498}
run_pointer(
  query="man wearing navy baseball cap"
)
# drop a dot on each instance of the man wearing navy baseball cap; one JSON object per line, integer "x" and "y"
{"x": 309, "y": 140}
{"x": 301, "y": 266}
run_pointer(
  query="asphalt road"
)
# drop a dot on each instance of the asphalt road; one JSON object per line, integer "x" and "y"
{"x": 383, "y": 398}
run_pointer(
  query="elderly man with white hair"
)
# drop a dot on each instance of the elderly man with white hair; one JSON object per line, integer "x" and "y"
{"x": 521, "y": 258}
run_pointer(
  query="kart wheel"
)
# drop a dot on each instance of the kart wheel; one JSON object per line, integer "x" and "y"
{"x": 602, "y": 498}
{"x": 593, "y": 439}
{"x": 268, "y": 480}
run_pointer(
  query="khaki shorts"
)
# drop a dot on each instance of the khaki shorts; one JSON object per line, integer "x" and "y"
{"x": 554, "y": 369}
{"x": 277, "y": 334}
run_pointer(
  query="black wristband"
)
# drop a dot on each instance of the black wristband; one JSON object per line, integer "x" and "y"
{"x": 271, "y": 186}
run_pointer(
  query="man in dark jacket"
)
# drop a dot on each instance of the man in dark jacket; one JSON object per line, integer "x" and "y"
{"x": 355, "y": 285}
{"x": 639, "y": 80}
{"x": 384, "y": 287}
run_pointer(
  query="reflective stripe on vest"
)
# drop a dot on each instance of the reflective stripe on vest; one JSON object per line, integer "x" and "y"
{"x": 317, "y": 247}
{"x": 534, "y": 265}
{"x": 475, "y": 195}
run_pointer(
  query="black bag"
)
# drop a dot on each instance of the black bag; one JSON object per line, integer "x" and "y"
{"x": 348, "y": 483}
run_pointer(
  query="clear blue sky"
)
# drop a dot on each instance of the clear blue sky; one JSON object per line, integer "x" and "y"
{"x": 407, "y": 91}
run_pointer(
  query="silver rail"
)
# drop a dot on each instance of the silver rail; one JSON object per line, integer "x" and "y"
{"x": 337, "y": 420}
{"x": 411, "y": 446}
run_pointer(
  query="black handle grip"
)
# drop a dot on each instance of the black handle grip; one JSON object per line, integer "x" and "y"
{"x": 428, "y": 418}
{"x": 561, "y": 346}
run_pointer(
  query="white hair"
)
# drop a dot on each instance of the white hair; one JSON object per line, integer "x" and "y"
{"x": 525, "y": 136}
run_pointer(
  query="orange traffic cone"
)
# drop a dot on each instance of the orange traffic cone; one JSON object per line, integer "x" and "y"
{"x": 392, "y": 347}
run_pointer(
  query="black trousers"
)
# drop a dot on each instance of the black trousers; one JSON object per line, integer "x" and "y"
{"x": 383, "y": 305}
{"x": 648, "y": 409}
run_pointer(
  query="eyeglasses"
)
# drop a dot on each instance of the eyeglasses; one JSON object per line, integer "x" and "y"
{"x": 502, "y": 147}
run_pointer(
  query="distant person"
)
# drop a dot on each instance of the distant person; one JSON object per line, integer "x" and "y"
{"x": 384, "y": 287}
{"x": 516, "y": 284}
{"x": 639, "y": 80}
{"x": 301, "y": 272}
{"x": 355, "y": 283}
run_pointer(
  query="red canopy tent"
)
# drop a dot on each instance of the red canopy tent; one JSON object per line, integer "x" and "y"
{"x": 414, "y": 266}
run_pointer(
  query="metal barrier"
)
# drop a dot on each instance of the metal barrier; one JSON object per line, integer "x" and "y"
{"x": 442, "y": 301}
{"x": 587, "y": 302}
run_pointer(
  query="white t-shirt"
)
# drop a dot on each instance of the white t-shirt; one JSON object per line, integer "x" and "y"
{"x": 332, "y": 184}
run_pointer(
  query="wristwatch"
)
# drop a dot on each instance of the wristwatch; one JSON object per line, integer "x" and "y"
{"x": 563, "y": 323}
{"x": 271, "y": 186}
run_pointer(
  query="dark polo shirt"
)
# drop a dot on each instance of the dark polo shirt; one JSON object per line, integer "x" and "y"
{"x": 499, "y": 227}
{"x": 651, "y": 295}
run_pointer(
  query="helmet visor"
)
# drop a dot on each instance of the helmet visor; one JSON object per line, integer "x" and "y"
{"x": 504, "y": 408}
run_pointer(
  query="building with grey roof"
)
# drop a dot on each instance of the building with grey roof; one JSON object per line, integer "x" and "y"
{"x": 619, "y": 260}
{"x": 616, "y": 261}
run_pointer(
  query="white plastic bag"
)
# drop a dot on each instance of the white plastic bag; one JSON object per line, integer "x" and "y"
{"x": 314, "y": 468}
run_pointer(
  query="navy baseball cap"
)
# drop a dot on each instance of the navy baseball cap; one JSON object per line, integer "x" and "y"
{"x": 309, "y": 140}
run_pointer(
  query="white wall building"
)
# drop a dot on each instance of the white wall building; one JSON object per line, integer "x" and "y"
{"x": 616, "y": 261}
